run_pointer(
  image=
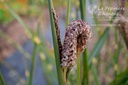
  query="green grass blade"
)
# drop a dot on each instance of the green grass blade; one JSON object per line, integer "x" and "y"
{"x": 100, "y": 42}
{"x": 85, "y": 79}
{"x": 68, "y": 13}
{"x": 121, "y": 79}
{"x": 78, "y": 71}
{"x": 94, "y": 72}
{"x": 27, "y": 30}
{"x": 33, "y": 62}
{"x": 98, "y": 45}
{"x": 47, "y": 60}
{"x": 56, "y": 49}
{"x": 82, "y": 9}
{"x": 116, "y": 56}
{"x": 49, "y": 73}
{"x": 85, "y": 68}
{"x": 2, "y": 82}
{"x": 67, "y": 71}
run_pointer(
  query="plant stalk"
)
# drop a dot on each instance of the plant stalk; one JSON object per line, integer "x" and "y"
{"x": 95, "y": 73}
{"x": 56, "y": 48}
{"x": 78, "y": 70}
{"x": 85, "y": 69}
{"x": 2, "y": 79}
{"x": 85, "y": 79}
{"x": 33, "y": 62}
{"x": 68, "y": 13}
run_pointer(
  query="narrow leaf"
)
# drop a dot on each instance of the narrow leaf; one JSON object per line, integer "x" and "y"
{"x": 56, "y": 49}
{"x": 2, "y": 82}
{"x": 121, "y": 79}
{"x": 68, "y": 13}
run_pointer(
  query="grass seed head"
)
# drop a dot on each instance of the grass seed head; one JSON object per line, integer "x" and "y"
{"x": 77, "y": 35}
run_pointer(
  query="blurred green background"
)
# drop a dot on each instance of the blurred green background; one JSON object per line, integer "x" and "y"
{"x": 26, "y": 49}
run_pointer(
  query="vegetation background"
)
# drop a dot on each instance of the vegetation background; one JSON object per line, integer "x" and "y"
{"x": 28, "y": 52}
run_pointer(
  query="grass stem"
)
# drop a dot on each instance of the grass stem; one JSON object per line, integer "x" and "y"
{"x": 95, "y": 73}
{"x": 2, "y": 79}
{"x": 33, "y": 62}
{"x": 85, "y": 79}
{"x": 78, "y": 70}
{"x": 56, "y": 48}
{"x": 68, "y": 13}
{"x": 85, "y": 68}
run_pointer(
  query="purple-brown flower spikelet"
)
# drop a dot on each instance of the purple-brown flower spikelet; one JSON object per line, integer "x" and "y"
{"x": 77, "y": 35}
